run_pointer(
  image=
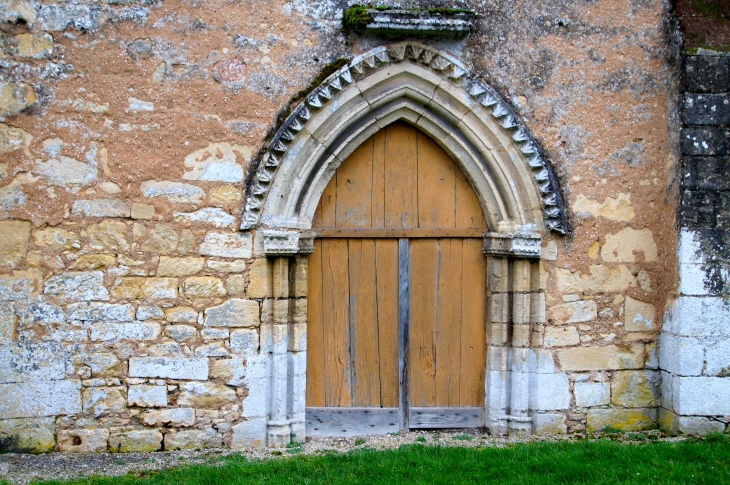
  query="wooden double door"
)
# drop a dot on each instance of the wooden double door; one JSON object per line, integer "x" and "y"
{"x": 397, "y": 293}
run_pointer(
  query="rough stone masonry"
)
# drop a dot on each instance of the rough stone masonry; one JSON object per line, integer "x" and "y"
{"x": 135, "y": 315}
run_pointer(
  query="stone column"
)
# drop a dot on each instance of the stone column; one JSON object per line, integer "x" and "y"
{"x": 278, "y": 433}
{"x": 510, "y": 318}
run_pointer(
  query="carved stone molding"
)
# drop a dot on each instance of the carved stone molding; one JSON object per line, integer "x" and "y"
{"x": 286, "y": 243}
{"x": 419, "y": 23}
{"x": 515, "y": 245}
{"x": 292, "y": 133}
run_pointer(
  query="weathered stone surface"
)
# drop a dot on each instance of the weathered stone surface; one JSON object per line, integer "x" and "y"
{"x": 706, "y": 74}
{"x": 184, "y": 417}
{"x": 549, "y": 392}
{"x": 14, "y": 237}
{"x": 209, "y": 215}
{"x": 216, "y": 349}
{"x": 204, "y": 287}
{"x": 108, "y": 236}
{"x": 237, "y": 266}
{"x": 95, "y": 261}
{"x": 235, "y": 284}
{"x": 245, "y": 342}
{"x": 706, "y": 109}
{"x": 217, "y": 162}
{"x": 145, "y": 312}
{"x": 635, "y": 389}
{"x": 590, "y": 394}
{"x": 68, "y": 172}
{"x": 101, "y": 208}
{"x": 162, "y": 240}
{"x": 102, "y": 364}
{"x": 138, "y": 440}
{"x": 193, "y": 438}
{"x": 181, "y": 314}
{"x": 18, "y": 11}
{"x": 77, "y": 286}
{"x": 230, "y": 371}
{"x": 7, "y": 322}
{"x": 574, "y": 312}
{"x": 15, "y": 97}
{"x": 100, "y": 311}
{"x": 169, "y": 367}
{"x": 40, "y": 398}
{"x": 177, "y": 192}
{"x": 12, "y": 138}
{"x": 224, "y": 194}
{"x": 617, "y": 208}
{"x": 227, "y": 245}
{"x": 180, "y": 333}
{"x": 625, "y": 245}
{"x": 140, "y": 288}
{"x": 55, "y": 237}
{"x": 147, "y": 396}
{"x": 599, "y": 279}
{"x": 205, "y": 395}
{"x": 601, "y": 358}
{"x": 623, "y": 419}
{"x": 230, "y": 71}
{"x": 20, "y": 285}
{"x": 549, "y": 424}
{"x": 143, "y": 211}
{"x": 561, "y": 336}
{"x": 260, "y": 280}
{"x": 36, "y": 435}
{"x": 179, "y": 266}
{"x": 638, "y": 316}
{"x": 250, "y": 434}
{"x": 139, "y": 105}
{"x": 695, "y": 425}
{"x": 32, "y": 361}
{"x": 102, "y": 401}
{"x": 117, "y": 332}
{"x": 31, "y": 45}
{"x": 234, "y": 313}
{"x": 701, "y": 396}
{"x": 83, "y": 440}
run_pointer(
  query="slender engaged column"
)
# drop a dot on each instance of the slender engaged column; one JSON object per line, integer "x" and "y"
{"x": 279, "y": 431}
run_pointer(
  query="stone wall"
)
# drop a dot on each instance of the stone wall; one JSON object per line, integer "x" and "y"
{"x": 695, "y": 344}
{"x": 134, "y": 315}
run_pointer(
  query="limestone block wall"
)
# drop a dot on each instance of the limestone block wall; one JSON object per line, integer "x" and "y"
{"x": 135, "y": 315}
{"x": 695, "y": 342}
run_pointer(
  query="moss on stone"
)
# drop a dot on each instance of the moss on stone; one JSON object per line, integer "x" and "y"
{"x": 357, "y": 18}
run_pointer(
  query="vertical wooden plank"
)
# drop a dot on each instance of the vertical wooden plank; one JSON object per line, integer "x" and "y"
{"x": 378, "y": 198}
{"x": 469, "y": 213}
{"x": 448, "y": 350}
{"x": 325, "y": 215}
{"x": 443, "y": 333}
{"x": 315, "y": 331}
{"x": 401, "y": 204}
{"x": 473, "y": 327}
{"x": 335, "y": 298}
{"x": 424, "y": 263}
{"x": 436, "y": 185}
{"x": 354, "y": 188}
{"x": 387, "y": 281}
{"x": 364, "y": 323}
{"x": 404, "y": 326}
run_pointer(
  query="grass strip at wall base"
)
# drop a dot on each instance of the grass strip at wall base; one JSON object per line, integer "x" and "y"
{"x": 594, "y": 462}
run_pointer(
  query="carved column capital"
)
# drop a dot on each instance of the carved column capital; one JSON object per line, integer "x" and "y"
{"x": 287, "y": 242}
{"x": 514, "y": 245}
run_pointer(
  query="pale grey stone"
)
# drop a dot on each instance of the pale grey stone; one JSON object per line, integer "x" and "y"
{"x": 211, "y": 350}
{"x": 227, "y": 245}
{"x": 230, "y": 371}
{"x": 102, "y": 401}
{"x": 101, "y": 208}
{"x": 212, "y": 216}
{"x": 29, "y": 435}
{"x": 100, "y": 363}
{"x": 180, "y": 332}
{"x": 100, "y": 311}
{"x": 205, "y": 395}
{"x": 20, "y": 286}
{"x": 139, "y": 105}
{"x": 697, "y": 425}
{"x": 215, "y": 333}
{"x": 83, "y": 440}
{"x": 176, "y": 417}
{"x": 28, "y": 361}
{"x": 147, "y": 396}
{"x": 549, "y": 392}
{"x": 173, "y": 191}
{"x": 116, "y": 332}
{"x": 701, "y": 396}
{"x": 250, "y": 434}
{"x": 234, "y": 313}
{"x": 549, "y": 424}
{"x": 245, "y": 342}
{"x": 77, "y": 286}
{"x": 149, "y": 313}
{"x": 40, "y": 398}
{"x": 588, "y": 394}
{"x": 237, "y": 266}
{"x": 191, "y": 368}
{"x": 41, "y": 312}
{"x": 67, "y": 171}
{"x": 681, "y": 355}
{"x": 193, "y": 438}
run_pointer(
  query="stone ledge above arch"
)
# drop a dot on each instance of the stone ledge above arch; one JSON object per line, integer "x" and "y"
{"x": 431, "y": 90}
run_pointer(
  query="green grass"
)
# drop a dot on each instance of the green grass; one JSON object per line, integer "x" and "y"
{"x": 594, "y": 462}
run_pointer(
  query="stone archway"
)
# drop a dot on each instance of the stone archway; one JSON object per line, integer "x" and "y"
{"x": 516, "y": 189}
